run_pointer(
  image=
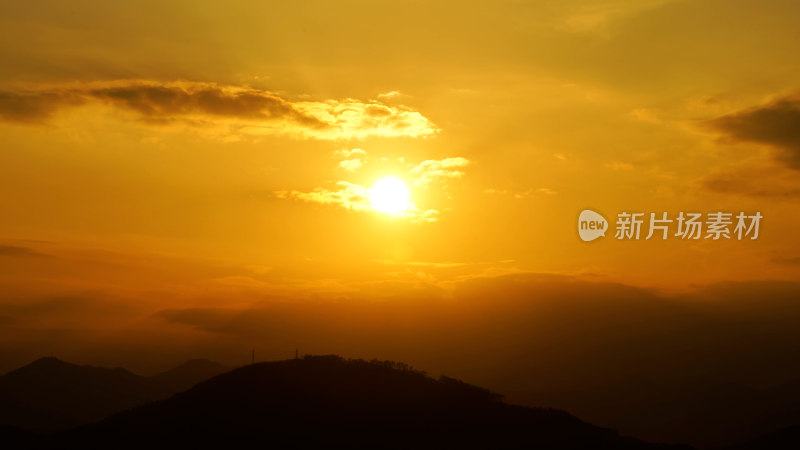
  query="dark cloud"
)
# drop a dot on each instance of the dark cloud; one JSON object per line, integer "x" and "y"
{"x": 81, "y": 308}
{"x": 34, "y": 107}
{"x": 787, "y": 260}
{"x": 254, "y": 111}
{"x": 161, "y": 102}
{"x": 741, "y": 184}
{"x": 776, "y": 124}
{"x": 207, "y": 319}
{"x": 751, "y": 181}
{"x": 158, "y": 102}
{"x": 12, "y": 251}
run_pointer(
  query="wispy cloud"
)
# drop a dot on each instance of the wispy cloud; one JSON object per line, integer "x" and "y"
{"x": 535, "y": 192}
{"x": 346, "y": 195}
{"x": 597, "y": 15}
{"x": 392, "y": 94}
{"x": 354, "y": 197}
{"x": 352, "y": 153}
{"x": 353, "y": 159}
{"x": 234, "y": 109}
{"x": 354, "y": 119}
{"x": 434, "y": 170}
{"x": 16, "y": 251}
{"x": 351, "y": 165}
{"x": 542, "y": 191}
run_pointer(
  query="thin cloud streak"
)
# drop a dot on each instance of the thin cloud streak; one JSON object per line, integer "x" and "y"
{"x": 435, "y": 170}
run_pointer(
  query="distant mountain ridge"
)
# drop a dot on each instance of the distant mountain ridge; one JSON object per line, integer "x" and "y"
{"x": 707, "y": 414}
{"x": 320, "y": 401}
{"x": 50, "y": 394}
{"x": 189, "y": 374}
{"x": 331, "y": 402}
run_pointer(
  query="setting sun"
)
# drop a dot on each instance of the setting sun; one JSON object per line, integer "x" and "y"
{"x": 390, "y": 195}
{"x": 580, "y": 217}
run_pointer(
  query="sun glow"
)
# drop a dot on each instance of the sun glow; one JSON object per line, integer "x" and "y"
{"x": 390, "y": 195}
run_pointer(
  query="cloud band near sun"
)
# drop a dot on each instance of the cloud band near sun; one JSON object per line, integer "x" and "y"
{"x": 232, "y": 109}
{"x": 355, "y": 197}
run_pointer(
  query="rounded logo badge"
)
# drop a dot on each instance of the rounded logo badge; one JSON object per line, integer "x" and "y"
{"x": 591, "y": 225}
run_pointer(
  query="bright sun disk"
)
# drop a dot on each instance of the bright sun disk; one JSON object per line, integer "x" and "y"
{"x": 390, "y": 195}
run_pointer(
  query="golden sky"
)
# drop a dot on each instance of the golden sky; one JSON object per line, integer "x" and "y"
{"x": 168, "y": 165}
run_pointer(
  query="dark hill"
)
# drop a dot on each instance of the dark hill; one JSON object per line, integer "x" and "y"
{"x": 50, "y": 394}
{"x": 324, "y": 402}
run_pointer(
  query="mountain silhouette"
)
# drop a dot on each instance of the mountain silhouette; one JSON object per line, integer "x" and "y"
{"x": 704, "y": 413}
{"x": 327, "y": 401}
{"x": 188, "y": 374}
{"x": 50, "y": 394}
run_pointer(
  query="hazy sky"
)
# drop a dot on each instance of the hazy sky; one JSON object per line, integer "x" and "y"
{"x": 166, "y": 168}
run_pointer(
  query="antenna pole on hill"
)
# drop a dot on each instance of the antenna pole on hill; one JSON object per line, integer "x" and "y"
{"x": 296, "y": 354}
{"x": 254, "y": 356}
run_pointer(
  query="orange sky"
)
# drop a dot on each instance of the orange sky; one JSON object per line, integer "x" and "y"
{"x": 217, "y": 157}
